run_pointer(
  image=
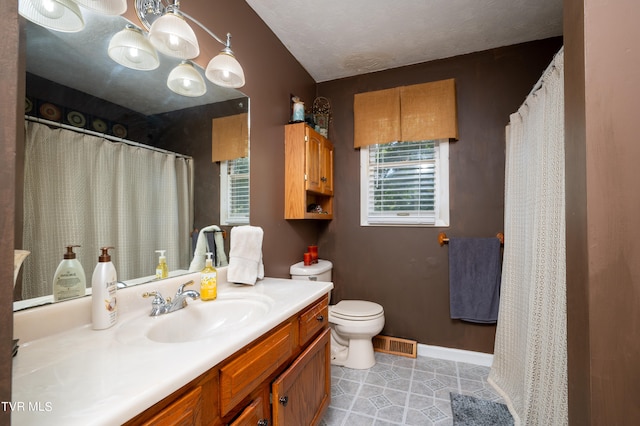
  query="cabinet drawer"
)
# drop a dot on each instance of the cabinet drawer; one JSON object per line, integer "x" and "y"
{"x": 183, "y": 411}
{"x": 245, "y": 373}
{"x": 255, "y": 414}
{"x": 313, "y": 320}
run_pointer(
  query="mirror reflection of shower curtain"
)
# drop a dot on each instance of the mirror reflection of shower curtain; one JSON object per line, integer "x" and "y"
{"x": 530, "y": 355}
{"x": 86, "y": 190}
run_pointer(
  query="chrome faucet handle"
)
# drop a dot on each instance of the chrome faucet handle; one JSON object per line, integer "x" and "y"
{"x": 158, "y": 304}
{"x": 157, "y": 297}
{"x": 181, "y": 288}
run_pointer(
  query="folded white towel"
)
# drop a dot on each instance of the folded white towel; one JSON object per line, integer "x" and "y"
{"x": 202, "y": 248}
{"x": 245, "y": 255}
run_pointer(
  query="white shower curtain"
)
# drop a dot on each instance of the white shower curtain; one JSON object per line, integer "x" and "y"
{"x": 86, "y": 190}
{"x": 530, "y": 357}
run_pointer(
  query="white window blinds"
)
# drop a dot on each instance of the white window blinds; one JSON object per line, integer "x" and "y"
{"x": 234, "y": 179}
{"x": 405, "y": 183}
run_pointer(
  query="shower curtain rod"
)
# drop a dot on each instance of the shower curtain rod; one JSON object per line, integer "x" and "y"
{"x": 103, "y": 135}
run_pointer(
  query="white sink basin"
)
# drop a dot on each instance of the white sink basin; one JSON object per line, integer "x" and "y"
{"x": 199, "y": 320}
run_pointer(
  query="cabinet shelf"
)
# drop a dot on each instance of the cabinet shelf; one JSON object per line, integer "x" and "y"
{"x": 308, "y": 173}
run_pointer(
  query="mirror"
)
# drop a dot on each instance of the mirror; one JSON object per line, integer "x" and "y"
{"x": 71, "y": 78}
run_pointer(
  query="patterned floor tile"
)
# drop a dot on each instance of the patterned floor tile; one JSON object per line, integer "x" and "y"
{"x": 403, "y": 391}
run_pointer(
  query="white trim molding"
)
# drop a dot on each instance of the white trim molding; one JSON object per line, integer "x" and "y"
{"x": 459, "y": 355}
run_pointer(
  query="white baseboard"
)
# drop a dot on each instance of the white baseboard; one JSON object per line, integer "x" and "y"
{"x": 459, "y": 355}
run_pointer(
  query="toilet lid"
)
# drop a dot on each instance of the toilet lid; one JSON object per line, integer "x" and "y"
{"x": 356, "y": 309}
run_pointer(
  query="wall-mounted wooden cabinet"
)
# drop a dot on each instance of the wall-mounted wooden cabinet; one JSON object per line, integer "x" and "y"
{"x": 308, "y": 173}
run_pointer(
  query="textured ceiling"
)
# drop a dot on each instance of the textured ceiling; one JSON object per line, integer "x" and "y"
{"x": 330, "y": 38}
{"x": 340, "y": 38}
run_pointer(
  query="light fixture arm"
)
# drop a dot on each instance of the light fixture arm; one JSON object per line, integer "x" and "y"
{"x": 150, "y": 10}
{"x": 207, "y": 30}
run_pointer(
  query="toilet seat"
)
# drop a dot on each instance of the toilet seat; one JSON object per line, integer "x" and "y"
{"x": 356, "y": 310}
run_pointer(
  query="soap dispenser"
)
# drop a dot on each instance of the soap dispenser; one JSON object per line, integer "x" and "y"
{"x": 104, "y": 312}
{"x": 208, "y": 280}
{"x": 69, "y": 280}
{"x": 162, "y": 271}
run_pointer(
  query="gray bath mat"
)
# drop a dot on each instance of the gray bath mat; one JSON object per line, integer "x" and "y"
{"x": 470, "y": 411}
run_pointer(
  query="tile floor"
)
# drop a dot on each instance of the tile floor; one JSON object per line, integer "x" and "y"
{"x": 403, "y": 391}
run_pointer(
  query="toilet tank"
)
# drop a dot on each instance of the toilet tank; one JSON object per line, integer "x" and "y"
{"x": 320, "y": 271}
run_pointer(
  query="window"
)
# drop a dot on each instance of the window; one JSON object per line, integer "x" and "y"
{"x": 234, "y": 191}
{"x": 405, "y": 183}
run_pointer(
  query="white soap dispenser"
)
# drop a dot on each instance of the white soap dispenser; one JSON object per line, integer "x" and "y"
{"x": 69, "y": 280}
{"x": 104, "y": 312}
{"x": 162, "y": 271}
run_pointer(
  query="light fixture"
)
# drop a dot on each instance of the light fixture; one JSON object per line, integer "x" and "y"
{"x": 223, "y": 70}
{"x": 186, "y": 80}
{"x": 58, "y": 15}
{"x": 131, "y": 49}
{"x": 106, "y": 7}
{"x": 173, "y": 36}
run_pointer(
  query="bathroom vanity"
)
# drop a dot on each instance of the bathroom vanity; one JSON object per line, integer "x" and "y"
{"x": 257, "y": 355}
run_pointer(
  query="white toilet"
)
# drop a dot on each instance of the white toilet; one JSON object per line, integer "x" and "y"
{"x": 353, "y": 322}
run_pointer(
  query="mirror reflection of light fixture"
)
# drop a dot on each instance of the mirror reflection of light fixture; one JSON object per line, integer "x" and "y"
{"x": 130, "y": 48}
{"x": 57, "y": 15}
{"x": 223, "y": 70}
{"x": 106, "y": 7}
{"x": 186, "y": 80}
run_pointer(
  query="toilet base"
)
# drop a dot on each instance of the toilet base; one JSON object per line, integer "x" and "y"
{"x": 358, "y": 355}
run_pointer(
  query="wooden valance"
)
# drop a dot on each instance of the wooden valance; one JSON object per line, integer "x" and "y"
{"x": 409, "y": 113}
{"x": 230, "y": 137}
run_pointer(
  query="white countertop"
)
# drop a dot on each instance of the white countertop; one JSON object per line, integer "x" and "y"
{"x": 65, "y": 373}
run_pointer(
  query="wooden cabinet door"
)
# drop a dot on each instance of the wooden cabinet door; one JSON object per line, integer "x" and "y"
{"x": 312, "y": 167}
{"x": 301, "y": 394}
{"x": 326, "y": 177}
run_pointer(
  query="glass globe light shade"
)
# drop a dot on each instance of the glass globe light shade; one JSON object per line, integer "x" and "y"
{"x": 225, "y": 70}
{"x": 173, "y": 36}
{"x": 106, "y": 7}
{"x": 131, "y": 49}
{"x": 185, "y": 80}
{"x": 57, "y": 15}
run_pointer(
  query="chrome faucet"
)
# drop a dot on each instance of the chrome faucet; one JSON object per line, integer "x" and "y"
{"x": 161, "y": 306}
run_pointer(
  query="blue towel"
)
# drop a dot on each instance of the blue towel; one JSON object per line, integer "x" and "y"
{"x": 474, "y": 279}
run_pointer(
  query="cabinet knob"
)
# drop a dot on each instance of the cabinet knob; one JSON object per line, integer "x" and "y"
{"x": 320, "y": 318}
{"x": 284, "y": 400}
{"x": 323, "y": 179}
{"x": 263, "y": 422}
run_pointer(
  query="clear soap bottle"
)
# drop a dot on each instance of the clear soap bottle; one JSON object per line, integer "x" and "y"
{"x": 162, "y": 271}
{"x": 208, "y": 280}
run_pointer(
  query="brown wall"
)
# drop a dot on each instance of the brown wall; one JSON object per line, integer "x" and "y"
{"x": 405, "y": 269}
{"x": 602, "y": 100}
{"x": 12, "y": 89}
{"x": 272, "y": 75}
